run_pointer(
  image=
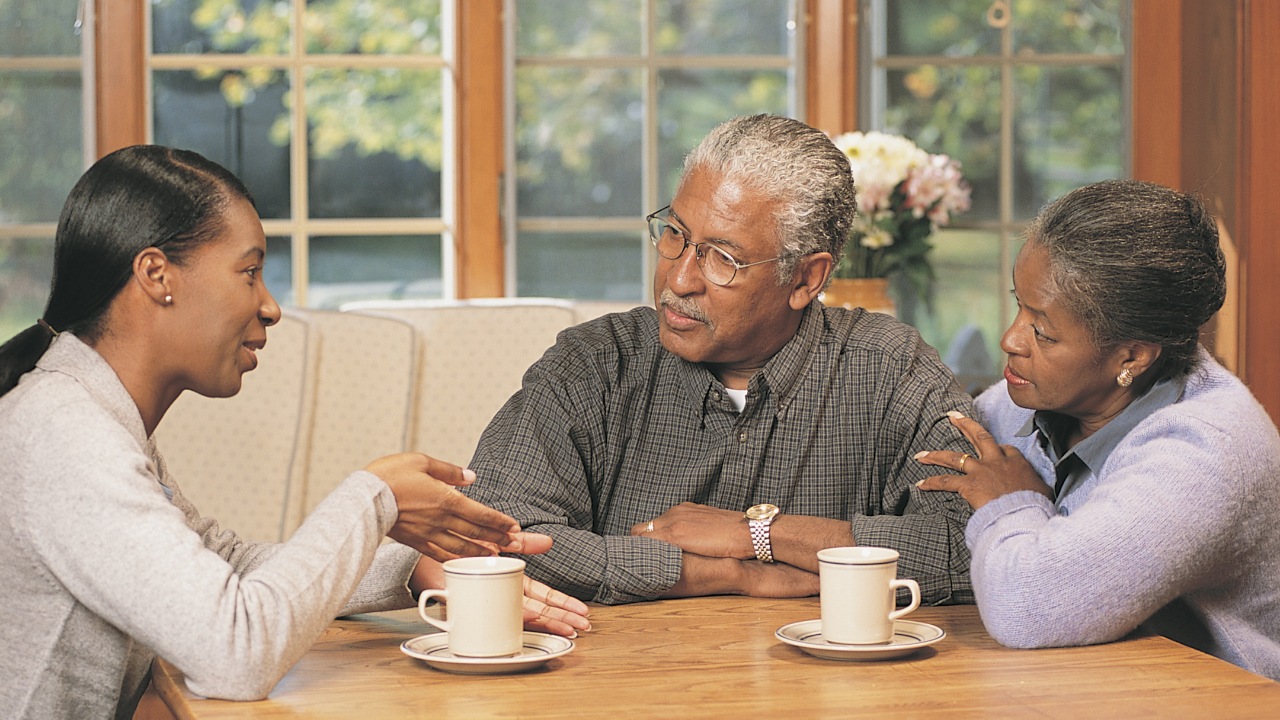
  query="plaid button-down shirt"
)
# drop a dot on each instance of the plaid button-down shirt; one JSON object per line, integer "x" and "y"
{"x": 610, "y": 429}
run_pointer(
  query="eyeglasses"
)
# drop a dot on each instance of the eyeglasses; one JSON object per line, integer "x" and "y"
{"x": 718, "y": 266}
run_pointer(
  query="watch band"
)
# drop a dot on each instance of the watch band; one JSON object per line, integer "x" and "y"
{"x": 760, "y": 539}
{"x": 759, "y": 519}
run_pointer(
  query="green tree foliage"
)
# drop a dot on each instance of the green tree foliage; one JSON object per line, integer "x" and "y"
{"x": 372, "y": 111}
{"x": 580, "y": 128}
{"x": 40, "y": 110}
{"x": 1068, "y": 122}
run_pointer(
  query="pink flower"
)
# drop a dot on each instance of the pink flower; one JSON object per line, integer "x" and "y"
{"x": 904, "y": 194}
{"x": 936, "y": 189}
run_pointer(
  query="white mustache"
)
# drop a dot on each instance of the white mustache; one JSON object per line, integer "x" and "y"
{"x": 684, "y": 306}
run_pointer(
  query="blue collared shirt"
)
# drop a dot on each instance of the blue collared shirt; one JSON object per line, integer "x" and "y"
{"x": 1089, "y": 455}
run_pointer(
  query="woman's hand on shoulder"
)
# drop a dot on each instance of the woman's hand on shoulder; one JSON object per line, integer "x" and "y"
{"x": 991, "y": 471}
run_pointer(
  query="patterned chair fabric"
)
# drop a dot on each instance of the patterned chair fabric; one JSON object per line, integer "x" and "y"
{"x": 473, "y": 356}
{"x": 364, "y": 397}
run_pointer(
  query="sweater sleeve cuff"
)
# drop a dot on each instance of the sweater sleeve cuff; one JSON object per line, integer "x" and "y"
{"x": 386, "y": 585}
{"x": 1038, "y": 508}
{"x": 384, "y": 500}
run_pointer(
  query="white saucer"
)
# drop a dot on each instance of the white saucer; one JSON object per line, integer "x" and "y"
{"x": 433, "y": 649}
{"x": 908, "y": 637}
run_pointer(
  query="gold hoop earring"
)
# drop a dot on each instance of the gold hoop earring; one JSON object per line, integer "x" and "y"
{"x": 1125, "y": 378}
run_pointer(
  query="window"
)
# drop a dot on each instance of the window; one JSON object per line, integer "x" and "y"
{"x": 45, "y": 64}
{"x": 605, "y": 98}
{"x": 1031, "y": 97}
{"x": 336, "y": 114}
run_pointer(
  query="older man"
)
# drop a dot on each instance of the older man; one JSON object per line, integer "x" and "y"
{"x": 715, "y": 445}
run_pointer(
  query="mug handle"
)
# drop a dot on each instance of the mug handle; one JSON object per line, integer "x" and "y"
{"x": 907, "y": 583}
{"x": 422, "y": 607}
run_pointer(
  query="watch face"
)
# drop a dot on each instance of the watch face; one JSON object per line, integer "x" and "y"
{"x": 763, "y": 511}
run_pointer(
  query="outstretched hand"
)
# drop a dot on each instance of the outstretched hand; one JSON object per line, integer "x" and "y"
{"x": 440, "y": 522}
{"x": 548, "y": 610}
{"x": 995, "y": 470}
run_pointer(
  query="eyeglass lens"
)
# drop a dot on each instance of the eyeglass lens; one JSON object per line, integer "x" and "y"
{"x": 717, "y": 266}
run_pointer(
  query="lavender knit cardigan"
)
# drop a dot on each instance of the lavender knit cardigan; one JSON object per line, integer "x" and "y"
{"x": 1186, "y": 507}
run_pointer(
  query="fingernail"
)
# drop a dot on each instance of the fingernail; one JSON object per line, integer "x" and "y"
{"x": 469, "y": 475}
{"x": 955, "y": 414}
{"x": 920, "y": 454}
{"x": 919, "y": 482}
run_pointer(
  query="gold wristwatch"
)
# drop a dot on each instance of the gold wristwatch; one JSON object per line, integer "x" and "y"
{"x": 759, "y": 518}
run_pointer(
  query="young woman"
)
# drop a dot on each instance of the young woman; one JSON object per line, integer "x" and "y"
{"x": 158, "y": 289}
{"x": 1128, "y": 479}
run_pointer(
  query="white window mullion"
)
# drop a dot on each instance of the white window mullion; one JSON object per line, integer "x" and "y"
{"x": 299, "y": 207}
{"x": 86, "y": 26}
{"x": 448, "y": 163}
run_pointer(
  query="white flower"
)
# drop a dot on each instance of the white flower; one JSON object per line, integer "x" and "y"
{"x": 876, "y": 238}
{"x": 879, "y": 162}
{"x": 904, "y": 194}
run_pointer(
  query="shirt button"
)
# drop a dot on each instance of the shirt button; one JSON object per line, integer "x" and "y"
{"x": 742, "y": 436}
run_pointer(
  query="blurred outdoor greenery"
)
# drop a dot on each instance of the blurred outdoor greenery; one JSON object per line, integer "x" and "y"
{"x": 1068, "y": 130}
{"x": 40, "y": 147}
{"x": 579, "y": 129}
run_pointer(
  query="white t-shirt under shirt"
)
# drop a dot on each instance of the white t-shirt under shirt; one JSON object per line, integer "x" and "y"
{"x": 737, "y": 397}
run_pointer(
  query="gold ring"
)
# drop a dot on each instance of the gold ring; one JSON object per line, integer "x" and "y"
{"x": 649, "y": 527}
{"x": 963, "y": 459}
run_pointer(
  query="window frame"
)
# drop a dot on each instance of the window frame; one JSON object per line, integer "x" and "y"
{"x": 651, "y": 63}
{"x": 1007, "y": 226}
{"x": 300, "y": 228}
{"x": 86, "y": 64}
{"x": 1163, "y": 43}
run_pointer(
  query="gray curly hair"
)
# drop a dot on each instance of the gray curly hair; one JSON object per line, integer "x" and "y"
{"x": 799, "y": 166}
{"x": 1136, "y": 261}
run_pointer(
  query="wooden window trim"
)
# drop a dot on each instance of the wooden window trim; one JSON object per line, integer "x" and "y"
{"x": 1205, "y": 86}
{"x": 1164, "y": 123}
{"x": 831, "y": 95}
{"x": 479, "y": 250}
{"x": 120, "y": 75}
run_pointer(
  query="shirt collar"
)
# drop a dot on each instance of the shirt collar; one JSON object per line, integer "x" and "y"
{"x": 780, "y": 375}
{"x": 1095, "y": 449}
{"x": 70, "y": 356}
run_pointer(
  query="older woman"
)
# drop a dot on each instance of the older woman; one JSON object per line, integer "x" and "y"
{"x": 157, "y": 290}
{"x": 1127, "y": 479}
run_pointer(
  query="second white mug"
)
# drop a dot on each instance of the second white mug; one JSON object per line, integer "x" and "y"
{"x": 859, "y": 586}
{"x": 484, "y": 614}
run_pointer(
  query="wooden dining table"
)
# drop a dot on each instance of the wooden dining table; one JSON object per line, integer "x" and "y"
{"x": 718, "y": 657}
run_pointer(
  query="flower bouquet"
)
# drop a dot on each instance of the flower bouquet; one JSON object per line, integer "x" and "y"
{"x": 904, "y": 194}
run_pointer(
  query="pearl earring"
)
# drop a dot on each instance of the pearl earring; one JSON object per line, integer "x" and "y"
{"x": 168, "y": 299}
{"x": 1125, "y": 378}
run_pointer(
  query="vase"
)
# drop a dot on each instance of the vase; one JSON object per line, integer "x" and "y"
{"x": 871, "y": 294}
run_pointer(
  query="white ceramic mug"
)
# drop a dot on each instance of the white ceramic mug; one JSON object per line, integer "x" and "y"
{"x": 484, "y": 614}
{"x": 858, "y": 586}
